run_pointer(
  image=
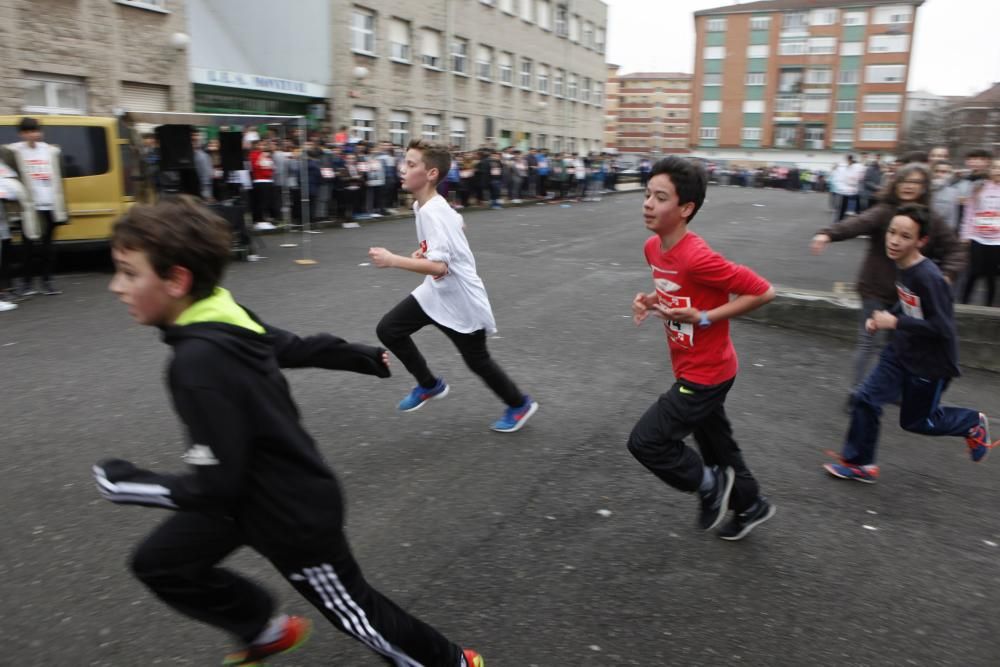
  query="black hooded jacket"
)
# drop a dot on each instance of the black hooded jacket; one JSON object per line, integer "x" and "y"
{"x": 251, "y": 458}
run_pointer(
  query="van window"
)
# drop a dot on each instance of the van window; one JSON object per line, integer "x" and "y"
{"x": 84, "y": 149}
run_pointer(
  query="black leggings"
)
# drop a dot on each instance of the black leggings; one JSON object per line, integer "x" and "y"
{"x": 39, "y": 254}
{"x": 984, "y": 262}
{"x": 408, "y": 317}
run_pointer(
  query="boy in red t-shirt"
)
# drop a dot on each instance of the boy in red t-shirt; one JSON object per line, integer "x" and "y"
{"x": 693, "y": 284}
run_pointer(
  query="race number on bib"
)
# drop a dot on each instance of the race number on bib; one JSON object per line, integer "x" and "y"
{"x": 910, "y": 302}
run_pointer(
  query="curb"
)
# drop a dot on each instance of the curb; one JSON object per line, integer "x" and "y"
{"x": 838, "y": 315}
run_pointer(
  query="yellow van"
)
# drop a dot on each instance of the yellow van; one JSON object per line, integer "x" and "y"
{"x": 101, "y": 171}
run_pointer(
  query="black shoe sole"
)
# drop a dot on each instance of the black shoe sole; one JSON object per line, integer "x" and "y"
{"x": 750, "y": 526}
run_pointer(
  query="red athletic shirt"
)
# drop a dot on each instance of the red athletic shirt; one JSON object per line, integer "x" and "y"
{"x": 261, "y": 166}
{"x": 692, "y": 275}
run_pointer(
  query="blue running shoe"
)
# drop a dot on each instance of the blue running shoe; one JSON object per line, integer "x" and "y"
{"x": 979, "y": 441}
{"x": 420, "y": 395}
{"x": 514, "y": 418}
{"x": 867, "y": 473}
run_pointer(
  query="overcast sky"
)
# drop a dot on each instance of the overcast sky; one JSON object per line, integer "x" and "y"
{"x": 956, "y": 50}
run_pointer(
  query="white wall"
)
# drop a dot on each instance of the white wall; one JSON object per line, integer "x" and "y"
{"x": 283, "y": 40}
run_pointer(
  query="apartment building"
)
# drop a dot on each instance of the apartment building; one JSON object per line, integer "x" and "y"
{"x": 801, "y": 81}
{"x": 649, "y": 113}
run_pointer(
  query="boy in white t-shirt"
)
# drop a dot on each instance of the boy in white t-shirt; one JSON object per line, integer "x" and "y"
{"x": 452, "y": 296}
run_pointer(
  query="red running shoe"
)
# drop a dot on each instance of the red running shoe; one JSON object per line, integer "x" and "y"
{"x": 473, "y": 659}
{"x": 293, "y": 635}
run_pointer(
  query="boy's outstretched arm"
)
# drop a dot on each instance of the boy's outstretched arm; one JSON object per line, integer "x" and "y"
{"x": 383, "y": 259}
{"x": 328, "y": 351}
{"x": 741, "y": 305}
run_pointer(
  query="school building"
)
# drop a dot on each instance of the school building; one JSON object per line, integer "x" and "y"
{"x": 801, "y": 81}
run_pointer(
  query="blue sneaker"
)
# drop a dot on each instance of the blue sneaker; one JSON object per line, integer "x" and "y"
{"x": 979, "y": 441}
{"x": 866, "y": 473}
{"x": 419, "y": 395}
{"x": 514, "y": 418}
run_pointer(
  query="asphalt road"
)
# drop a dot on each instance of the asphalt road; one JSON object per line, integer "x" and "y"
{"x": 551, "y": 546}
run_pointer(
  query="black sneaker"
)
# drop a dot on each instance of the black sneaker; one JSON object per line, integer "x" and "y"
{"x": 715, "y": 503}
{"x": 48, "y": 289}
{"x": 743, "y": 522}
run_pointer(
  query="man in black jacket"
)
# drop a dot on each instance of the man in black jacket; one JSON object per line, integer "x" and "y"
{"x": 257, "y": 478}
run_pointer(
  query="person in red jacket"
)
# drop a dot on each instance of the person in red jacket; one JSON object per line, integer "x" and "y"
{"x": 263, "y": 200}
{"x": 693, "y": 284}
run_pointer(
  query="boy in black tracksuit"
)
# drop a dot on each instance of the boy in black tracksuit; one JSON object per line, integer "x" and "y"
{"x": 257, "y": 478}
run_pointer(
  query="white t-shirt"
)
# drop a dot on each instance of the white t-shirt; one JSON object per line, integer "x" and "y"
{"x": 457, "y": 299}
{"x": 38, "y": 164}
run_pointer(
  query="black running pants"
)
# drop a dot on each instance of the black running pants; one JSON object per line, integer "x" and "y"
{"x": 657, "y": 440}
{"x": 396, "y": 330}
{"x": 180, "y": 563}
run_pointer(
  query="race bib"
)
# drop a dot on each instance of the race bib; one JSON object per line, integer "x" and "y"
{"x": 326, "y": 172}
{"x": 679, "y": 333}
{"x": 910, "y": 302}
{"x": 495, "y": 172}
{"x": 987, "y": 224}
{"x": 38, "y": 170}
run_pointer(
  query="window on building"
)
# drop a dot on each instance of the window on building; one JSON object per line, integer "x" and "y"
{"x": 757, "y": 51}
{"x": 819, "y": 76}
{"x": 460, "y": 55}
{"x": 506, "y": 6}
{"x": 852, "y": 48}
{"x": 399, "y": 40}
{"x": 888, "y": 43}
{"x": 484, "y": 63}
{"x": 843, "y": 136}
{"x": 756, "y": 79}
{"x": 557, "y": 83}
{"x": 363, "y": 123}
{"x": 715, "y": 52}
{"x": 892, "y": 14}
{"x": 822, "y": 45}
{"x": 399, "y": 128}
{"x": 785, "y": 136}
{"x": 507, "y": 68}
{"x": 847, "y": 106}
{"x": 823, "y": 17}
{"x": 574, "y": 28}
{"x": 430, "y": 48}
{"x": 848, "y": 77}
{"x": 882, "y": 103}
{"x": 51, "y": 93}
{"x": 711, "y": 79}
{"x": 716, "y": 24}
{"x": 460, "y": 133}
{"x": 815, "y": 137}
{"x": 753, "y": 106}
{"x": 751, "y": 133}
{"x": 792, "y": 47}
{"x": 790, "y": 81}
{"x": 363, "y": 31}
{"x": 816, "y": 104}
{"x": 599, "y": 43}
{"x": 711, "y": 106}
{"x": 795, "y": 21}
{"x": 878, "y": 132}
{"x": 152, "y": 5}
{"x": 760, "y": 22}
{"x": 788, "y": 104}
{"x": 544, "y": 10}
{"x": 528, "y": 10}
{"x": 526, "y": 68}
{"x": 585, "y": 90}
{"x": 588, "y": 34}
{"x": 598, "y": 93}
{"x": 571, "y": 86}
{"x": 859, "y": 17}
{"x": 543, "y": 79}
{"x": 708, "y": 133}
{"x": 431, "y": 129}
{"x": 562, "y": 20}
{"x": 885, "y": 73}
